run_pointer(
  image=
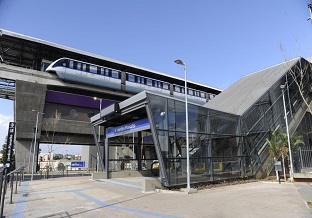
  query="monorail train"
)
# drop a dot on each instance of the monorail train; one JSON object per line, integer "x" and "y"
{"x": 82, "y": 72}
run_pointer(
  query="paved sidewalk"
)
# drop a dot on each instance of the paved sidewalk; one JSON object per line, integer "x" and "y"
{"x": 82, "y": 197}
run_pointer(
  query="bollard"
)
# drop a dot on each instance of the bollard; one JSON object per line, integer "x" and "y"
{"x": 16, "y": 181}
{"x": 20, "y": 179}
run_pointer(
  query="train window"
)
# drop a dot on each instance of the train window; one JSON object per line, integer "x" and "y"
{"x": 131, "y": 78}
{"x": 78, "y": 66}
{"x": 149, "y": 82}
{"x": 75, "y": 65}
{"x": 115, "y": 74}
{"x": 138, "y": 79}
{"x": 92, "y": 69}
{"x": 177, "y": 89}
{"x": 108, "y": 72}
{"x": 84, "y": 68}
{"x": 87, "y": 67}
{"x": 102, "y": 71}
{"x": 158, "y": 84}
{"x": 143, "y": 80}
{"x": 165, "y": 86}
{"x": 61, "y": 63}
{"x": 71, "y": 64}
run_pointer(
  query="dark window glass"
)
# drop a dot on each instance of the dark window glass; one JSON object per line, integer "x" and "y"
{"x": 93, "y": 69}
{"x": 88, "y": 68}
{"x": 61, "y": 63}
{"x": 165, "y": 86}
{"x": 142, "y": 80}
{"x": 75, "y": 65}
{"x": 108, "y": 72}
{"x": 116, "y": 74}
{"x": 71, "y": 64}
{"x": 149, "y": 82}
{"x": 131, "y": 77}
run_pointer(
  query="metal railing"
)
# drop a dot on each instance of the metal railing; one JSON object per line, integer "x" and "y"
{"x": 7, "y": 177}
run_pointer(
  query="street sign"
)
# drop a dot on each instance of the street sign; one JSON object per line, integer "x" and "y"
{"x": 77, "y": 164}
{"x": 10, "y": 144}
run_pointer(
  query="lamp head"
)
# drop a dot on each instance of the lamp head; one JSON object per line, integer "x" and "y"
{"x": 178, "y": 61}
{"x": 282, "y": 86}
{"x": 95, "y": 98}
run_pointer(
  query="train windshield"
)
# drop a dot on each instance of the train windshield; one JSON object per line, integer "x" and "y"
{"x": 61, "y": 63}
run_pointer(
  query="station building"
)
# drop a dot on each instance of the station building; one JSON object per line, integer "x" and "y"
{"x": 227, "y": 135}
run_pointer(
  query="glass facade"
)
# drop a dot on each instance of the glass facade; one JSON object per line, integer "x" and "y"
{"x": 214, "y": 141}
{"x": 221, "y": 145}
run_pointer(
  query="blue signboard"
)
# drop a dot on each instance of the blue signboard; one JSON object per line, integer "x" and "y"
{"x": 77, "y": 164}
{"x": 128, "y": 128}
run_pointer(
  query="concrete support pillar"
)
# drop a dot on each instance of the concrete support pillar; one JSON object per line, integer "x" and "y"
{"x": 28, "y": 96}
{"x": 25, "y": 153}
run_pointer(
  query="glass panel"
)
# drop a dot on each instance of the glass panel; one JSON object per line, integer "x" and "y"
{"x": 131, "y": 78}
{"x": 165, "y": 86}
{"x": 149, "y": 82}
{"x": 115, "y": 74}
{"x": 159, "y": 111}
{"x": 93, "y": 69}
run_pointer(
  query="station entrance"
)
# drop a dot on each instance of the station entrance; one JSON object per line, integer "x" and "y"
{"x": 146, "y": 134}
{"x": 133, "y": 151}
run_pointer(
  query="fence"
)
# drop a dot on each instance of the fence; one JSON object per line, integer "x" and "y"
{"x": 305, "y": 160}
{"x": 6, "y": 178}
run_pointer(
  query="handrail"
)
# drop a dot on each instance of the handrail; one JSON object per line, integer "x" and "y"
{"x": 4, "y": 180}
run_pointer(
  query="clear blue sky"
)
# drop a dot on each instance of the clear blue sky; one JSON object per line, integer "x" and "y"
{"x": 220, "y": 41}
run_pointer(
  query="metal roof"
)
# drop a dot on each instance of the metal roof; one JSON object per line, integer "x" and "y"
{"x": 26, "y": 51}
{"x": 239, "y": 97}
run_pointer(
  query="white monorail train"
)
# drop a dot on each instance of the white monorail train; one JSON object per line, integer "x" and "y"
{"x": 82, "y": 72}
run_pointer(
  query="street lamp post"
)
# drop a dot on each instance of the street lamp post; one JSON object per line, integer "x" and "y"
{"x": 188, "y": 186}
{"x": 35, "y": 144}
{"x": 288, "y": 138}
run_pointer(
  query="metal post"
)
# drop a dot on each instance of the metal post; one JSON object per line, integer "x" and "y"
{"x": 16, "y": 181}
{"x": 11, "y": 186}
{"x": 4, "y": 191}
{"x": 300, "y": 152}
{"x": 1, "y": 184}
{"x": 288, "y": 137}
{"x": 188, "y": 179}
{"x": 35, "y": 145}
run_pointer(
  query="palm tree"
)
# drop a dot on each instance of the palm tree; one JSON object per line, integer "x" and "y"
{"x": 278, "y": 146}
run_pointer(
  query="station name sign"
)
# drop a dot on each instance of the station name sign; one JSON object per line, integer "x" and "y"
{"x": 74, "y": 164}
{"x": 128, "y": 128}
{"x": 10, "y": 143}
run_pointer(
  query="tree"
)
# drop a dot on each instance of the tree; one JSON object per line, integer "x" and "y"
{"x": 299, "y": 76}
{"x": 50, "y": 127}
{"x": 4, "y": 153}
{"x": 278, "y": 146}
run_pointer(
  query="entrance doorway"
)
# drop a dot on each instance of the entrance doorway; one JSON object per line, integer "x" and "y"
{"x": 133, "y": 152}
